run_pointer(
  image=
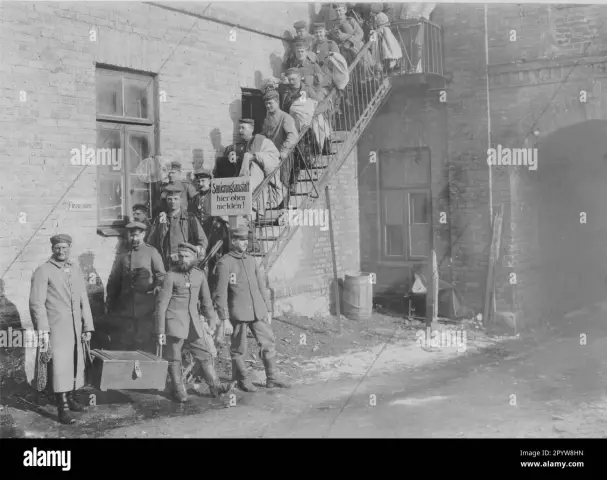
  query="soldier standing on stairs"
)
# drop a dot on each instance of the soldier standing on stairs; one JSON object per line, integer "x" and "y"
{"x": 242, "y": 303}
{"x": 178, "y": 322}
{"x": 280, "y": 127}
{"x": 59, "y": 305}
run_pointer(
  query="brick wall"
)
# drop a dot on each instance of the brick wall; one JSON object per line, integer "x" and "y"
{"x": 411, "y": 117}
{"x": 305, "y": 266}
{"x": 47, "y": 53}
{"x": 467, "y": 143}
{"x": 533, "y": 86}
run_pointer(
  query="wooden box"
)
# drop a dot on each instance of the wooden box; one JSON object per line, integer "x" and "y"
{"x": 120, "y": 370}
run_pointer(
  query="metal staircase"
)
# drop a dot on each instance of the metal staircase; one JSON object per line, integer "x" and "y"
{"x": 347, "y": 113}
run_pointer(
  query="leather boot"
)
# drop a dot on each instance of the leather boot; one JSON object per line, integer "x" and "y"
{"x": 239, "y": 373}
{"x": 272, "y": 378}
{"x": 73, "y": 403}
{"x": 63, "y": 408}
{"x": 180, "y": 394}
{"x": 215, "y": 385}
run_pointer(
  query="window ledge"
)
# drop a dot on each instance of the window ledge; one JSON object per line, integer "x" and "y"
{"x": 111, "y": 231}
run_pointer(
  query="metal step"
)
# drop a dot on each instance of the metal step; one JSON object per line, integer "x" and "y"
{"x": 321, "y": 161}
{"x": 269, "y": 231}
{"x": 315, "y": 173}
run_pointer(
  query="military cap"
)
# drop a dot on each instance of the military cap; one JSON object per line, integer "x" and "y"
{"x": 376, "y": 7}
{"x": 320, "y": 26}
{"x": 271, "y": 95}
{"x": 141, "y": 206}
{"x": 61, "y": 238}
{"x": 300, "y": 24}
{"x": 293, "y": 70}
{"x": 175, "y": 165}
{"x": 239, "y": 232}
{"x": 339, "y": 5}
{"x": 187, "y": 246}
{"x": 134, "y": 225}
{"x": 203, "y": 173}
{"x": 249, "y": 121}
{"x": 172, "y": 189}
{"x": 301, "y": 44}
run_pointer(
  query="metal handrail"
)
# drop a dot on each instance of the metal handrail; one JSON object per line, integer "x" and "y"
{"x": 334, "y": 91}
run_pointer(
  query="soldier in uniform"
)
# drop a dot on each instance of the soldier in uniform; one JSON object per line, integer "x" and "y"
{"x": 178, "y": 322}
{"x": 188, "y": 192}
{"x": 141, "y": 214}
{"x": 241, "y": 282}
{"x": 59, "y": 305}
{"x": 215, "y": 228}
{"x": 133, "y": 283}
{"x": 176, "y": 226}
{"x": 322, "y": 46}
{"x": 301, "y": 35}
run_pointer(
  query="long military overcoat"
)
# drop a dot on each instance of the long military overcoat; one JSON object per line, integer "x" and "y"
{"x": 59, "y": 305}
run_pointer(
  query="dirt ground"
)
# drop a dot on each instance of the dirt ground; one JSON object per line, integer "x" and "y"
{"x": 319, "y": 362}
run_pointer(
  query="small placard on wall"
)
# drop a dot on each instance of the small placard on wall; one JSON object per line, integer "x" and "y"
{"x": 81, "y": 206}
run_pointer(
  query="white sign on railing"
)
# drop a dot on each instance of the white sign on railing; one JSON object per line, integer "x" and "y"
{"x": 231, "y": 196}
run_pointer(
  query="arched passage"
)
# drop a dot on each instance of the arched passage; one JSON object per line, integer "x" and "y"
{"x": 571, "y": 182}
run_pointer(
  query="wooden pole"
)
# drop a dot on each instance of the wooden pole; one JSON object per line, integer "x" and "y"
{"x": 493, "y": 256}
{"x": 334, "y": 260}
{"x": 435, "y": 282}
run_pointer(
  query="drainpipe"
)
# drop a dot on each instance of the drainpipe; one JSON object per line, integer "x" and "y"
{"x": 489, "y": 143}
{"x": 488, "y": 117}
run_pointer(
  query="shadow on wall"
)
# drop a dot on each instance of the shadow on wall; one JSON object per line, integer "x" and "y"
{"x": 235, "y": 113}
{"x": 567, "y": 199}
{"x": 94, "y": 285}
{"x": 104, "y": 326}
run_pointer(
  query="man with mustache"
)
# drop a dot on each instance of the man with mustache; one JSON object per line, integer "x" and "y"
{"x": 133, "y": 283}
{"x": 178, "y": 322}
{"x": 257, "y": 157}
{"x": 175, "y": 226}
{"x": 59, "y": 304}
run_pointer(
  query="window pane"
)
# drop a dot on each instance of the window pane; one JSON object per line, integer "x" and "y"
{"x": 110, "y": 199}
{"x": 138, "y": 149}
{"x": 419, "y": 240}
{"x": 109, "y": 94}
{"x": 394, "y": 240}
{"x": 394, "y": 207}
{"x": 109, "y": 186}
{"x": 420, "y": 206}
{"x": 417, "y": 167}
{"x": 138, "y": 98}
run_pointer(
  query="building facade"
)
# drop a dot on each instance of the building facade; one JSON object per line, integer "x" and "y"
{"x": 168, "y": 79}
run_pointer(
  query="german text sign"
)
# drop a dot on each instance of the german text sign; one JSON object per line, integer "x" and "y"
{"x": 231, "y": 196}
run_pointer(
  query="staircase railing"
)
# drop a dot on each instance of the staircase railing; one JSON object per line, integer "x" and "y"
{"x": 317, "y": 149}
{"x": 422, "y": 44}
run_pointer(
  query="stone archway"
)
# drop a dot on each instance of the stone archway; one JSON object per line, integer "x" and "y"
{"x": 571, "y": 179}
